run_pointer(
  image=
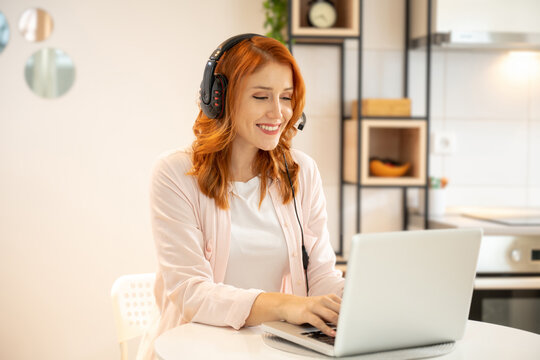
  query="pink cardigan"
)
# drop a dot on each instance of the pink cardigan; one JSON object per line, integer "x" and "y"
{"x": 192, "y": 237}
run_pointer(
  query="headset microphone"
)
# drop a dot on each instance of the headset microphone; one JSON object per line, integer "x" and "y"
{"x": 303, "y": 121}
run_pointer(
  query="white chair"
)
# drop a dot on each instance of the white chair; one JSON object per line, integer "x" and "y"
{"x": 133, "y": 307}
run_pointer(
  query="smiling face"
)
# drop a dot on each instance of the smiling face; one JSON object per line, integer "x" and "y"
{"x": 264, "y": 108}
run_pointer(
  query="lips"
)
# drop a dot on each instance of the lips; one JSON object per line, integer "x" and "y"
{"x": 270, "y": 129}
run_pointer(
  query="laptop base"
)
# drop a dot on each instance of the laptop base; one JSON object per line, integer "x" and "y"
{"x": 422, "y": 352}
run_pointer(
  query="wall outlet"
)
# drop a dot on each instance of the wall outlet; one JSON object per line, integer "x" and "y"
{"x": 443, "y": 143}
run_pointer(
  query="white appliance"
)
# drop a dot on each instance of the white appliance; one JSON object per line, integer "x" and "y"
{"x": 507, "y": 286}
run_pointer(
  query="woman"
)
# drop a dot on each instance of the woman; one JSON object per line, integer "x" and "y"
{"x": 230, "y": 215}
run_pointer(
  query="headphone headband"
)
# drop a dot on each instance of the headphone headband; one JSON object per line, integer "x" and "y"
{"x": 228, "y": 44}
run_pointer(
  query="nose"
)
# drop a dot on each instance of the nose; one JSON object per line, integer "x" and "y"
{"x": 274, "y": 112}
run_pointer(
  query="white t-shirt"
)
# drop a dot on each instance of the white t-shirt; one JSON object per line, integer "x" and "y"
{"x": 258, "y": 255}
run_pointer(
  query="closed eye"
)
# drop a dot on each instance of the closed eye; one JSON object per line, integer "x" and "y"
{"x": 286, "y": 98}
{"x": 260, "y": 97}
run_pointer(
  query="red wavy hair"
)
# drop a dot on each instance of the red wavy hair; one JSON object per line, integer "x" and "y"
{"x": 212, "y": 146}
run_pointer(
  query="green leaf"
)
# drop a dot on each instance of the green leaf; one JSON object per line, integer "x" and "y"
{"x": 275, "y": 18}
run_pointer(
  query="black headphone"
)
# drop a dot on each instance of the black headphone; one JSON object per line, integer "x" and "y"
{"x": 214, "y": 86}
{"x": 213, "y": 92}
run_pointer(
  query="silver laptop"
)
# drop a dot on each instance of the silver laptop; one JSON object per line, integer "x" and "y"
{"x": 404, "y": 291}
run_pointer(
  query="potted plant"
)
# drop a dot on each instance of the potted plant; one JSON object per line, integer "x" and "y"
{"x": 276, "y": 19}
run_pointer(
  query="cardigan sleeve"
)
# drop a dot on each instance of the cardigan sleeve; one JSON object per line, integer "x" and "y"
{"x": 187, "y": 279}
{"x": 322, "y": 275}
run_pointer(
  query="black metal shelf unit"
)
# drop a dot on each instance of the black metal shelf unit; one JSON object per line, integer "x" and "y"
{"x": 339, "y": 42}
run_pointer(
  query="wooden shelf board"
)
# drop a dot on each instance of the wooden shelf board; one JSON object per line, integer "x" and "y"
{"x": 394, "y": 117}
{"x": 317, "y": 40}
{"x": 349, "y": 183}
{"x": 316, "y": 32}
{"x": 398, "y": 181}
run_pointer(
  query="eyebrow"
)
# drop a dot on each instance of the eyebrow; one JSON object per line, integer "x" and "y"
{"x": 269, "y": 88}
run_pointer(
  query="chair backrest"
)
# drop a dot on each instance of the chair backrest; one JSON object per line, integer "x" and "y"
{"x": 134, "y": 304}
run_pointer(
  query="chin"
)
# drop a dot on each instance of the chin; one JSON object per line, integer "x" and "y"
{"x": 269, "y": 146}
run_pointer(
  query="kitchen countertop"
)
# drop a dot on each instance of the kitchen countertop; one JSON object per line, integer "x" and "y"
{"x": 455, "y": 218}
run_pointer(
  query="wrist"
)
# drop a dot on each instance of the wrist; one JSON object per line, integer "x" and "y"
{"x": 282, "y": 305}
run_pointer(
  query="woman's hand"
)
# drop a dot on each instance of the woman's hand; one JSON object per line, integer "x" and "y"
{"x": 316, "y": 310}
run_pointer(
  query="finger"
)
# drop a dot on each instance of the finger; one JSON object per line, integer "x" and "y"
{"x": 321, "y": 325}
{"x": 335, "y": 298}
{"x": 327, "y": 315}
{"x": 332, "y": 304}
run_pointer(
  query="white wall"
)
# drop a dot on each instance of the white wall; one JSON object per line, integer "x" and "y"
{"x": 73, "y": 190}
{"x": 75, "y": 170}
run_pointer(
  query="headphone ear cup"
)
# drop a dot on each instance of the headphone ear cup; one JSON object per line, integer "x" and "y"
{"x": 215, "y": 109}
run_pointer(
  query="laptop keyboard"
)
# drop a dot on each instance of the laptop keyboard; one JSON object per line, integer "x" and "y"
{"x": 319, "y": 335}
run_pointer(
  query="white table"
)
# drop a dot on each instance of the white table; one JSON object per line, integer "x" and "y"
{"x": 482, "y": 341}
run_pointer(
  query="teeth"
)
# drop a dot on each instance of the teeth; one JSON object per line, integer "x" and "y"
{"x": 268, "y": 128}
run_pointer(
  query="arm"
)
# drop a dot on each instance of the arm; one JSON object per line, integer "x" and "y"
{"x": 189, "y": 291}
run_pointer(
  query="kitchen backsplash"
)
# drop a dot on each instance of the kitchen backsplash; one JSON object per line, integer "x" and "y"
{"x": 492, "y": 106}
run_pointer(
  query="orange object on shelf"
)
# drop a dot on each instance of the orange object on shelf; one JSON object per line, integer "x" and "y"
{"x": 444, "y": 182}
{"x": 378, "y": 168}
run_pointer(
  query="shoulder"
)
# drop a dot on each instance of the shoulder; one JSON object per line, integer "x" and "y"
{"x": 308, "y": 174}
{"x": 306, "y": 162}
{"x": 309, "y": 178}
{"x": 173, "y": 165}
{"x": 176, "y": 158}
{"x": 301, "y": 158}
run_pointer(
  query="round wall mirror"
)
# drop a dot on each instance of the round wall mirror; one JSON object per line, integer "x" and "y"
{"x": 36, "y": 25}
{"x": 4, "y": 31}
{"x": 49, "y": 73}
